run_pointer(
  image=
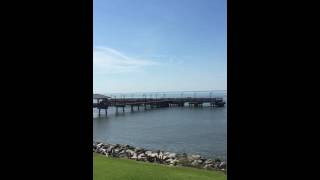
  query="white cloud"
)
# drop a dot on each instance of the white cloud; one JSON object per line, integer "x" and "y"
{"x": 107, "y": 60}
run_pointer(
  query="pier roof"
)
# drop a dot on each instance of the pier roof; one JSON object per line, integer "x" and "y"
{"x": 100, "y": 96}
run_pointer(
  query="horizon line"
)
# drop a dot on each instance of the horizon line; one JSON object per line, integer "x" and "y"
{"x": 158, "y": 92}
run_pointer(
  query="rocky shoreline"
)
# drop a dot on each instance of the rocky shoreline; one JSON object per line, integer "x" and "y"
{"x": 161, "y": 157}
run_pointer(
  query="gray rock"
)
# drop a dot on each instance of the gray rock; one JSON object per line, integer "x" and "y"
{"x": 216, "y": 165}
{"x": 110, "y": 148}
{"x": 103, "y": 151}
{"x": 153, "y": 155}
{"x": 164, "y": 157}
{"x": 141, "y": 156}
{"x": 130, "y": 152}
{"x": 99, "y": 145}
{"x": 122, "y": 153}
{"x": 104, "y": 146}
{"x": 134, "y": 156}
{"x": 148, "y": 153}
{"x": 168, "y": 160}
{"x": 208, "y": 161}
{"x": 208, "y": 166}
{"x": 161, "y": 156}
{"x": 199, "y": 161}
{"x": 172, "y": 155}
{"x": 195, "y": 163}
{"x": 116, "y": 151}
{"x": 173, "y": 162}
{"x": 222, "y": 165}
{"x": 195, "y": 157}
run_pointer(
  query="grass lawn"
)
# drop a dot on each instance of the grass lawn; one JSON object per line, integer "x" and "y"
{"x": 106, "y": 168}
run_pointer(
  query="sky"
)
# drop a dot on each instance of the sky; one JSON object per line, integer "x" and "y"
{"x": 159, "y": 45}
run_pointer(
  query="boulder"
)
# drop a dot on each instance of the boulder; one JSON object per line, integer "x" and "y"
{"x": 184, "y": 161}
{"x": 199, "y": 161}
{"x": 195, "y": 163}
{"x": 129, "y": 152}
{"x": 172, "y": 155}
{"x": 164, "y": 157}
{"x": 153, "y": 155}
{"x": 99, "y": 145}
{"x": 134, "y": 156}
{"x": 150, "y": 159}
{"x": 222, "y": 165}
{"x": 208, "y": 161}
{"x": 216, "y": 165}
{"x": 104, "y": 146}
{"x": 116, "y": 151}
{"x": 160, "y": 156}
{"x": 103, "y": 151}
{"x": 110, "y": 148}
{"x": 173, "y": 162}
{"x": 208, "y": 166}
{"x": 141, "y": 157}
{"x": 122, "y": 153}
{"x": 195, "y": 157}
{"x": 148, "y": 153}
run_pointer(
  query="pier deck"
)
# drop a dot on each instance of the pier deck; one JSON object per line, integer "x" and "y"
{"x": 104, "y": 102}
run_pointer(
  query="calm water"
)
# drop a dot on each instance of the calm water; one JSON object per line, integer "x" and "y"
{"x": 177, "y": 129}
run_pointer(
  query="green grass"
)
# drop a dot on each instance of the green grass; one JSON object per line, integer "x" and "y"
{"x": 106, "y": 168}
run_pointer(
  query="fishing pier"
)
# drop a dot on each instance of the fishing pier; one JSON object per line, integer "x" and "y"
{"x": 104, "y": 102}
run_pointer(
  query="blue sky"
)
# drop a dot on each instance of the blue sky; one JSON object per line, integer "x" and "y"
{"x": 159, "y": 45}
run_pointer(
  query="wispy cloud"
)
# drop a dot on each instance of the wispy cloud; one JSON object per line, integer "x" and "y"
{"x": 107, "y": 60}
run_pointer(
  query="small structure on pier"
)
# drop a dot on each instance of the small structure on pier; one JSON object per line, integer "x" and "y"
{"x": 102, "y": 102}
{"x": 99, "y": 97}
